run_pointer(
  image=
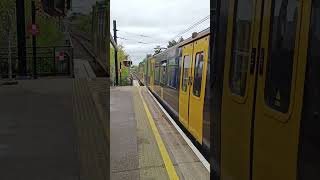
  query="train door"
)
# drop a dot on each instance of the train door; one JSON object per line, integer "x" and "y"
{"x": 185, "y": 83}
{"x": 198, "y": 84}
{"x": 262, "y": 99}
{"x": 238, "y": 87}
{"x": 280, "y": 86}
{"x": 309, "y": 144}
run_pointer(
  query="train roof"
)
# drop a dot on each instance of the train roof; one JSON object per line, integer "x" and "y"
{"x": 199, "y": 35}
{"x": 168, "y": 53}
{"x": 173, "y": 51}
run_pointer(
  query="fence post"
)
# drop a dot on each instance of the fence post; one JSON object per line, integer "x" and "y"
{"x": 71, "y": 62}
{"x": 68, "y": 57}
{"x": 34, "y": 40}
{"x": 54, "y": 60}
{"x": 21, "y": 37}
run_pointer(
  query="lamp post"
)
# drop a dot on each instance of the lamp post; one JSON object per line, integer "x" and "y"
{"x": 115, "y": 51}
{"x": 21, "y": 37}
{"x": 34, "y": 40}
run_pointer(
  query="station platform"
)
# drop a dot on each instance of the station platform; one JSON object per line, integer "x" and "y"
{"x": 55, "y": 129}
{"x": 37, "y": 135}
{"x": 144, "y": 143}
{"x": 82, "y": 69}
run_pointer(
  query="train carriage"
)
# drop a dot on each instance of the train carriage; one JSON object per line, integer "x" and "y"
{"x": 260, "y": 102}
{"x": 267, "y": 58}
{"x": 178, "y": 78}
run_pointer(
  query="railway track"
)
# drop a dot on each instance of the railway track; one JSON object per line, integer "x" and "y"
{"x": 82, "y": 50}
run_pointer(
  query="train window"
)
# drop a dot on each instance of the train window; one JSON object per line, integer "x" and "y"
{"x": 185, "y": 72}
{"x": 160, "y": 74}
{"x": 150, "y": 71}
{"x": 198, "y": 67}
{"x": 241, "y": 47}
{"x": 163, "y": 72}
{"x": 145, "y": 67}
{"x": 156, "y": 74}
{"x": 173, "y": 70}
{"x": 281, "y": 53}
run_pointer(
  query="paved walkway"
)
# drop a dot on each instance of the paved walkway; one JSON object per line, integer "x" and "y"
{"x": 82, "y": 69}
{"x": 135, "y": 152}
{"x": 55, "y": 129}
{"x": 90, "y": 106}
{"x": 124, "y": 151}
{"x": 90, "y": 118}
{"x": 37, "y": 135}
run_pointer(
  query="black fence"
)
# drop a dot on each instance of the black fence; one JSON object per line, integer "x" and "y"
{"x": 50, "y": 61}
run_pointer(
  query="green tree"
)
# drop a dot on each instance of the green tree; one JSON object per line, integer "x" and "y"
{"x": 157, "y": 50}
{"x": 50, "y": 34}
{"x": 171, "y": 43}
{"x": 122, "y": 56}
{"x": 7, "y": 8}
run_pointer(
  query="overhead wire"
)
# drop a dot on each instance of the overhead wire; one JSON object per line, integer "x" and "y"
{"x": 197, "y": 23}
{"x": 188, "y": 29}
{"x": 140, "y": 42}
{"x": 135, "y": 35}
{"x": 191, "y": 27}
{"x": 178, "y": 35}
{"x": 140, "y": 35}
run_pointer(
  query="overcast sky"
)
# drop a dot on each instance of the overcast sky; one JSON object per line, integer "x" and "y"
{"x": 160, "y": 20}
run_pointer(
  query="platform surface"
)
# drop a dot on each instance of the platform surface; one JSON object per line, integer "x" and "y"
{"x": 54, "y": 129}
{"x": 37, "y": 135}
{"x": 135, "y": 153}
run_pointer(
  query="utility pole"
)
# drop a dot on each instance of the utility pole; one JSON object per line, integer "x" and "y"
{"x": 120, "y": 73}
{"x": 115, "y": 51}
{"x": 21, "y": 37}
{"x": 34, "y": 39}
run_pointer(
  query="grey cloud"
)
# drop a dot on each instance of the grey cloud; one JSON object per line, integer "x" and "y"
{"x": 159, "y": 19}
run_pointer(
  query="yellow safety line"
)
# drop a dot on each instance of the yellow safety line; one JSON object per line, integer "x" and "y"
{"x": 164, "y": 153}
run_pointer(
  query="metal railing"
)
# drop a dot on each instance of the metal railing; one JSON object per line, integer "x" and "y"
{"x": 50, "y": 61}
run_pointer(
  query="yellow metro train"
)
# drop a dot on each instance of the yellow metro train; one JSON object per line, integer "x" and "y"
{"x": 177, "y": 77}
{"x": 254, "y": 102}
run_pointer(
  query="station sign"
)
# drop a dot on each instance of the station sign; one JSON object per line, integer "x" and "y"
{"x": 60, "y": 55}
{"x": 33, "y": 29}
{"x": 127, "y": 63}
